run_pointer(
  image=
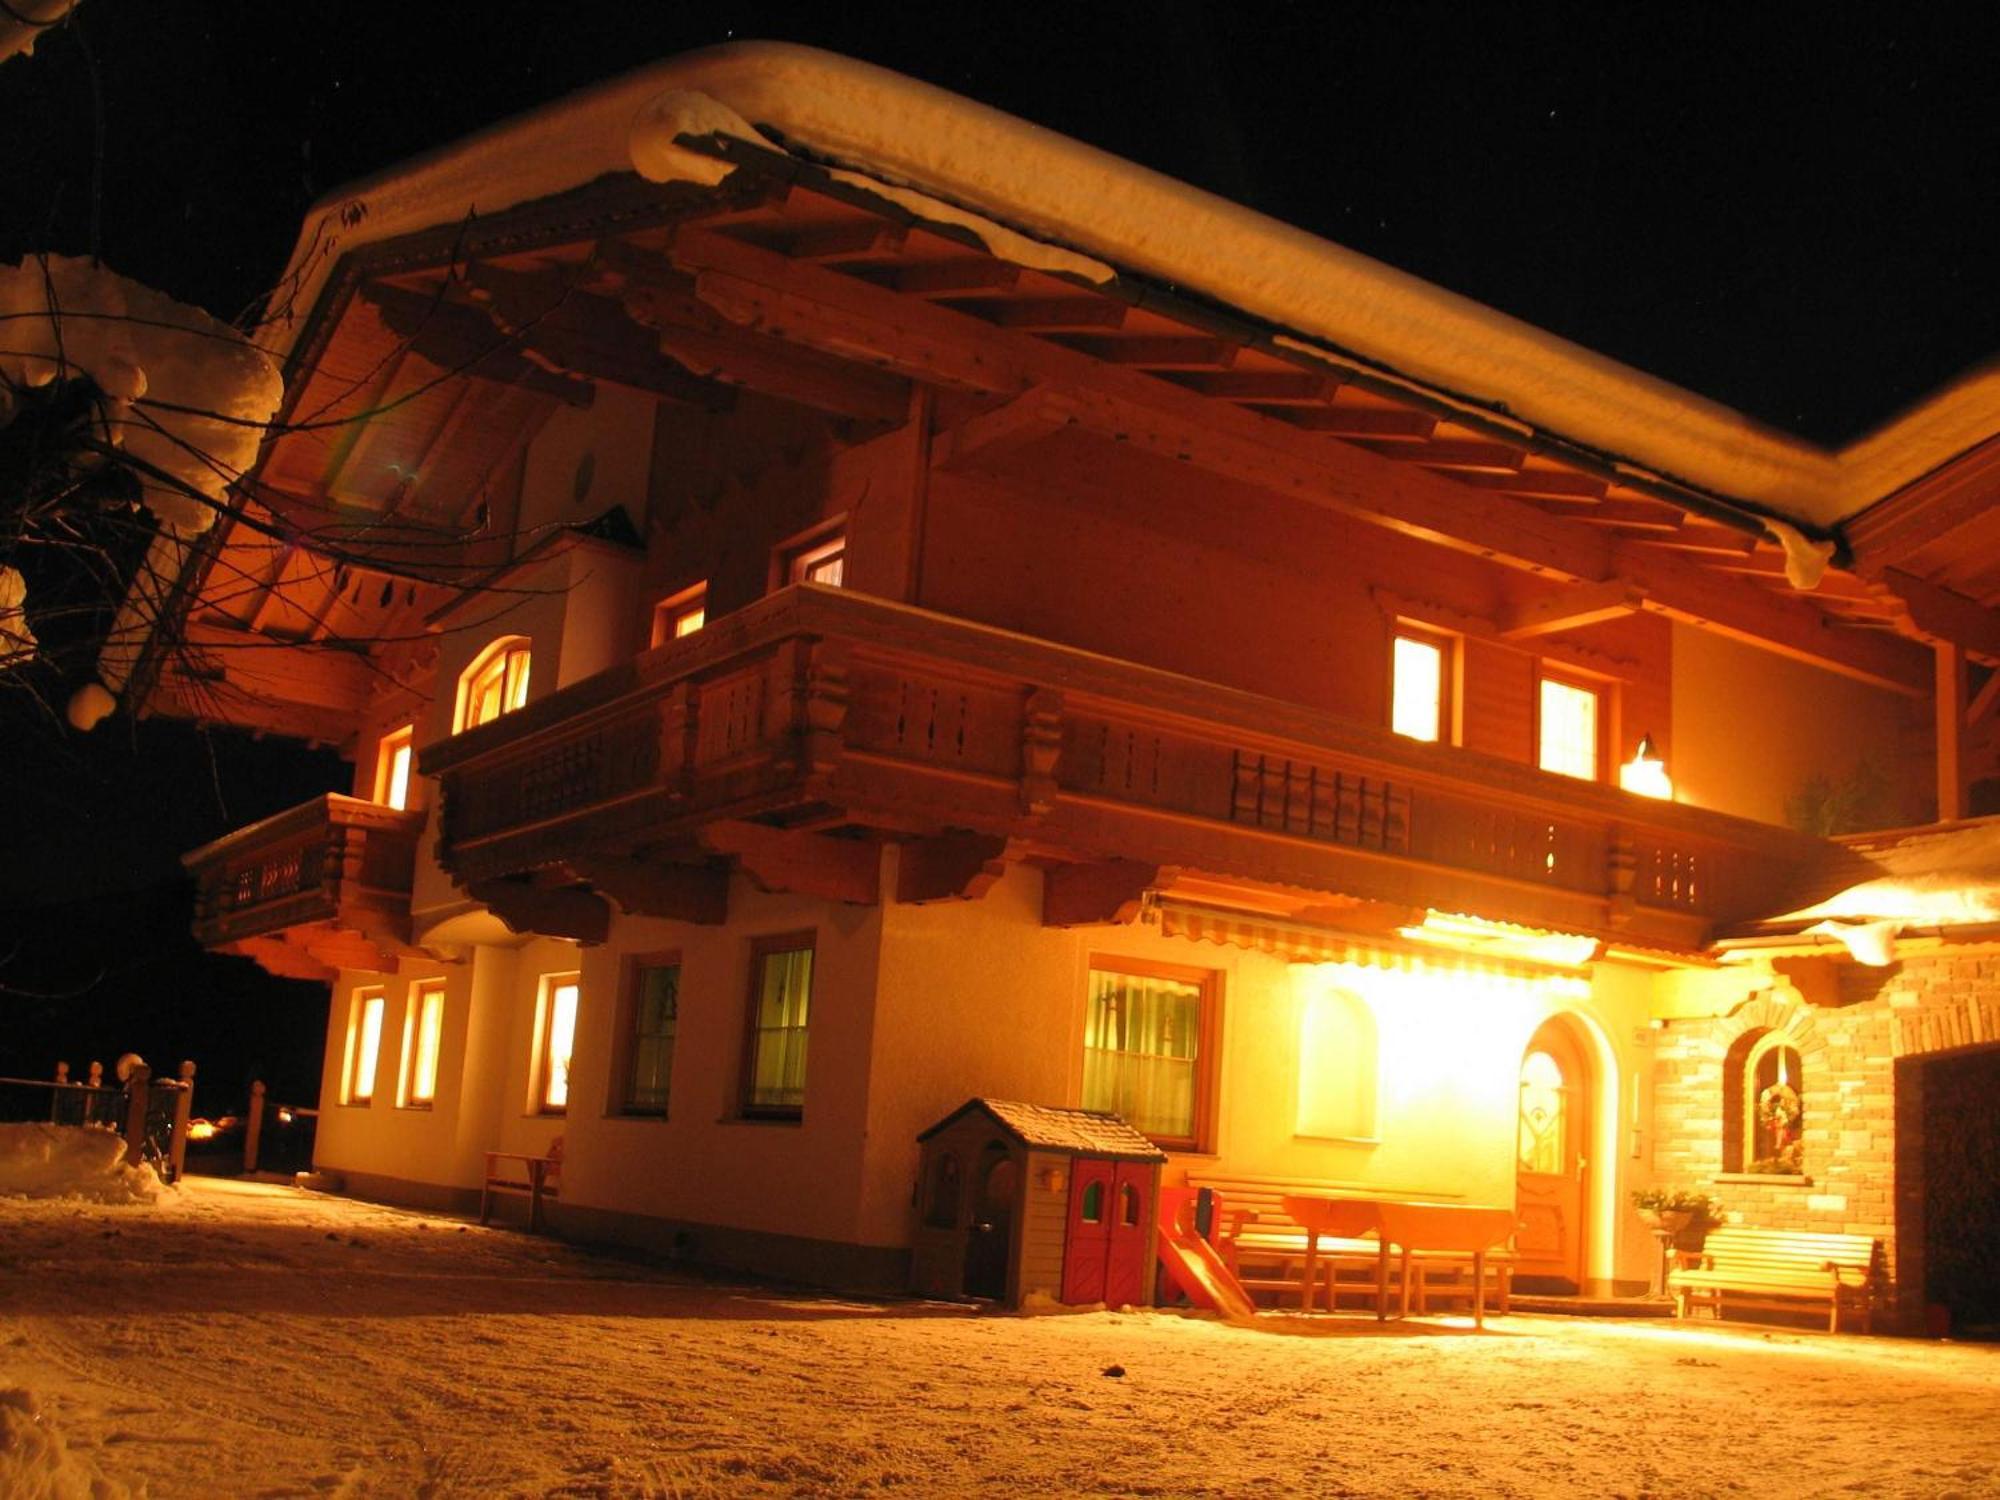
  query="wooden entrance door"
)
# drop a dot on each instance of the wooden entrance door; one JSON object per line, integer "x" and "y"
{"x": 1551, "y": 1164}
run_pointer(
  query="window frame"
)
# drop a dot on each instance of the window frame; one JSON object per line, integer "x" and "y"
{"x": 1604, "y": 692}
{"x": 352, "y": 1091}
{"x": 625, "y": 1042}
{"x": 794, "y": 557}
{"x": 505, "y": 651}
{"x": 761, "y": 948}
{"x": 670, "y": 611}
{"x": 540, "y": 1074}
{"x": 416, "y": 1009}
{"x": 1208, "y": 1039}
{"x": 1448, "y": 706}
{"x": 399, "y": 743}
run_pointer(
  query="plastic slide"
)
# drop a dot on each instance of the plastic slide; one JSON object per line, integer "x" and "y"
{"x": 1194, "y": 1266}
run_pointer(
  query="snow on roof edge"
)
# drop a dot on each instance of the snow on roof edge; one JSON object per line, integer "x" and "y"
{"x": 917, "y": 136}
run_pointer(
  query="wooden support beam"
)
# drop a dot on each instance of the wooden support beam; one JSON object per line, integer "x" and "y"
{"x": 545, "y": 911}
{"x": 953, "y": 866}
{"x": 277, "y": 957}
{"x": 259, "y": 667}
{"x": 1571, "y": 608}
{"x": 1265, "y": 387}
{"x": 1560, "y": 485}
{"x": 993, "y": 434}
{"x": 1785, "y": 625}
{"x": 683, "y": 893}
{"x": 1942, "y": 614}
{"x": 1158, "y": 352}
{"x": 1051, "y": 314}
{"x": 1086, "y": 894}
{"x": 834, "y": 244}
{"x": 1365, "y": 421}
{"x": 457, "y": 338}
{"x": 1983, "y": 701}
{"x": 813, "y": 864}
{"x": 1488, "y": 458}
{"x": 1949, "y": 703}
{"x": 955, "y": 278}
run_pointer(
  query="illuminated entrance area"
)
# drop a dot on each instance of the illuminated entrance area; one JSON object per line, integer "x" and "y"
{"x": 1551, "y": 1159}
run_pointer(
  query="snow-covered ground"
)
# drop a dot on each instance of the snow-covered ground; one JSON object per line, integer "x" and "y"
{"x": 242, "y": 1339}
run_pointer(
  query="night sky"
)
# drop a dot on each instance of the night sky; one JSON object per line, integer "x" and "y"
{"x": 1793, "y": 210}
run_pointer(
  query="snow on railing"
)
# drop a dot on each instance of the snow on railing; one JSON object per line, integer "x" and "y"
{"x": 152, "y": 1114}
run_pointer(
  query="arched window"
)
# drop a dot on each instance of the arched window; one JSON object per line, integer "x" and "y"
{"x": 1128, "y": 1206}
{"x": 1544, "y": 1115}
{"x": 1092, "y": 1211}
{"x": 1763, "y": 1105}
{"x": 496, "y": 683}
{"x": 1337, "y": 1053}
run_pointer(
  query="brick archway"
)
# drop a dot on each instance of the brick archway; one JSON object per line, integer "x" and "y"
{"x": 1791, "y": 1021}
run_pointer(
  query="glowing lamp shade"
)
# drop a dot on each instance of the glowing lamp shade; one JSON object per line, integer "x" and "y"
{"x": 1646, "y": 773}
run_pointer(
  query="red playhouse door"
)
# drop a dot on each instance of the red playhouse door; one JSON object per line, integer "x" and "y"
{"x": 1131, "y": 1248}
{"x": 1087, "y": 1245}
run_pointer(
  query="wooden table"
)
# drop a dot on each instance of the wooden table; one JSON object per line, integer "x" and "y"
{"x": 1460, "y": 1228}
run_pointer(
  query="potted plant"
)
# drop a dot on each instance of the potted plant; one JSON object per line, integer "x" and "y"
{"x": 1677, "y": 1215}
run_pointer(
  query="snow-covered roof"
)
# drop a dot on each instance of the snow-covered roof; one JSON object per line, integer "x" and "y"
{"x": 1043, "y": 199}
{"x": 1047, "y": 1127}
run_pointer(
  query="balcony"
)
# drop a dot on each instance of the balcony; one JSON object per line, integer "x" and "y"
{"x": 794, "y": 734}
{"x": 316, "y": 888}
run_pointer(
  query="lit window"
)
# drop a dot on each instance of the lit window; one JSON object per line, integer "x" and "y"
{"x": 364, "y": 1047}
{"x": 496, "y": 683}
{"x": 1148, "y": 1051}
{"x": 823, "y": 562}
{"x": 392, "y": 768}
{"x": 1569, "y": 729}
{"x": 1764, "y": 1105}
{"x": 774, "y": 1075}
{"x": 423, "y": 1027}
{"x": 1544, "y": 1115}
{"x": 652, "y": 1019}
{"x": 1417, "y": 688}
{"x": 682, "y": 615}
{"x": 556, "y": 1034}
{"x": 1337, "y": 1056}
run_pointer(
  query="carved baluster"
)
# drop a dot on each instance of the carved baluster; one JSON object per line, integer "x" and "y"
{"x": 1041, "y": 750}
{"x": 1371, "y": 814}
{"x": 1347, "y": 824}
{"x": 1396, "y": 818}
{"x": 1324, "y": 814}
{"x": 823, "y": 710}
{"x": 1622, "y": 867}
{"x": 1249, "y": 776}
{"x": 679, "y": 723}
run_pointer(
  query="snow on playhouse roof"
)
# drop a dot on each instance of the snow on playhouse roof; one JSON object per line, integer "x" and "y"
{"x": 1045, "y": 200}
{"x": 1045, "y": 1127}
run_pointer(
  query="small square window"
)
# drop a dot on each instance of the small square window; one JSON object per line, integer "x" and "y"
{"x": 1570, "y": 729}
{"x": 680, "y": 616}
{"x": 392, "y": 768}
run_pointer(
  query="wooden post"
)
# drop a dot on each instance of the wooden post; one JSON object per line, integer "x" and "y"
{"x": 253, "y": 1126}
{"x": 183, "y": 1107}
{"x": 96, "y": 1079}
{"x": 1950, "y": 731}
{"x": 55, "y": 1094}
{"x": 135, "y": 1114}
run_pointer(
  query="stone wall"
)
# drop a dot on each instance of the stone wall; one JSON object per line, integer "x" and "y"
{"x": 1860, "y": 1175}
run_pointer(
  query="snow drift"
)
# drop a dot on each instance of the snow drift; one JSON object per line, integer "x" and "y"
{"x": 71, "y": 1161}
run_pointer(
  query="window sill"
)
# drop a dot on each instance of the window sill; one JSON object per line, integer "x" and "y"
{"x": 417, "y": 1109}
{"x": 1765, "y": 1179}
{"x": 1341, "y": 1140}
{"x": 792, "y": 1120}
{"x": 656, "y": 1116}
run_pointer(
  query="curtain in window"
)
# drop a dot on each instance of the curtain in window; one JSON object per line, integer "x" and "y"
{"x": 1139, "y": 1043}
{"x": 784, "y": 995}
{"x": 655, "y": 1018}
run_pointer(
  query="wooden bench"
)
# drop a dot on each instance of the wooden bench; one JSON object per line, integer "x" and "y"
{"x": 1779, "y": 1268}
{"x": 1266, "y": 1248}
{"x": 539, "y": 1177}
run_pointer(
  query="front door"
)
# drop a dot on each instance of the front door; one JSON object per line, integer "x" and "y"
{"x": 1129, "y": 1257}
{"x": 1087, "y": 1245}
{"x": 1550, "y": 1162}
{"x": 989, "y": 1239}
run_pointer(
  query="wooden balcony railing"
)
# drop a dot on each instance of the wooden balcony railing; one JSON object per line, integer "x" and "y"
{"x": 822, "y": 708}
{"x": 334, "y": 860}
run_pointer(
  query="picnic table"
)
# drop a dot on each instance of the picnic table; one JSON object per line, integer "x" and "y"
{"x": 1414, "y": 1229}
